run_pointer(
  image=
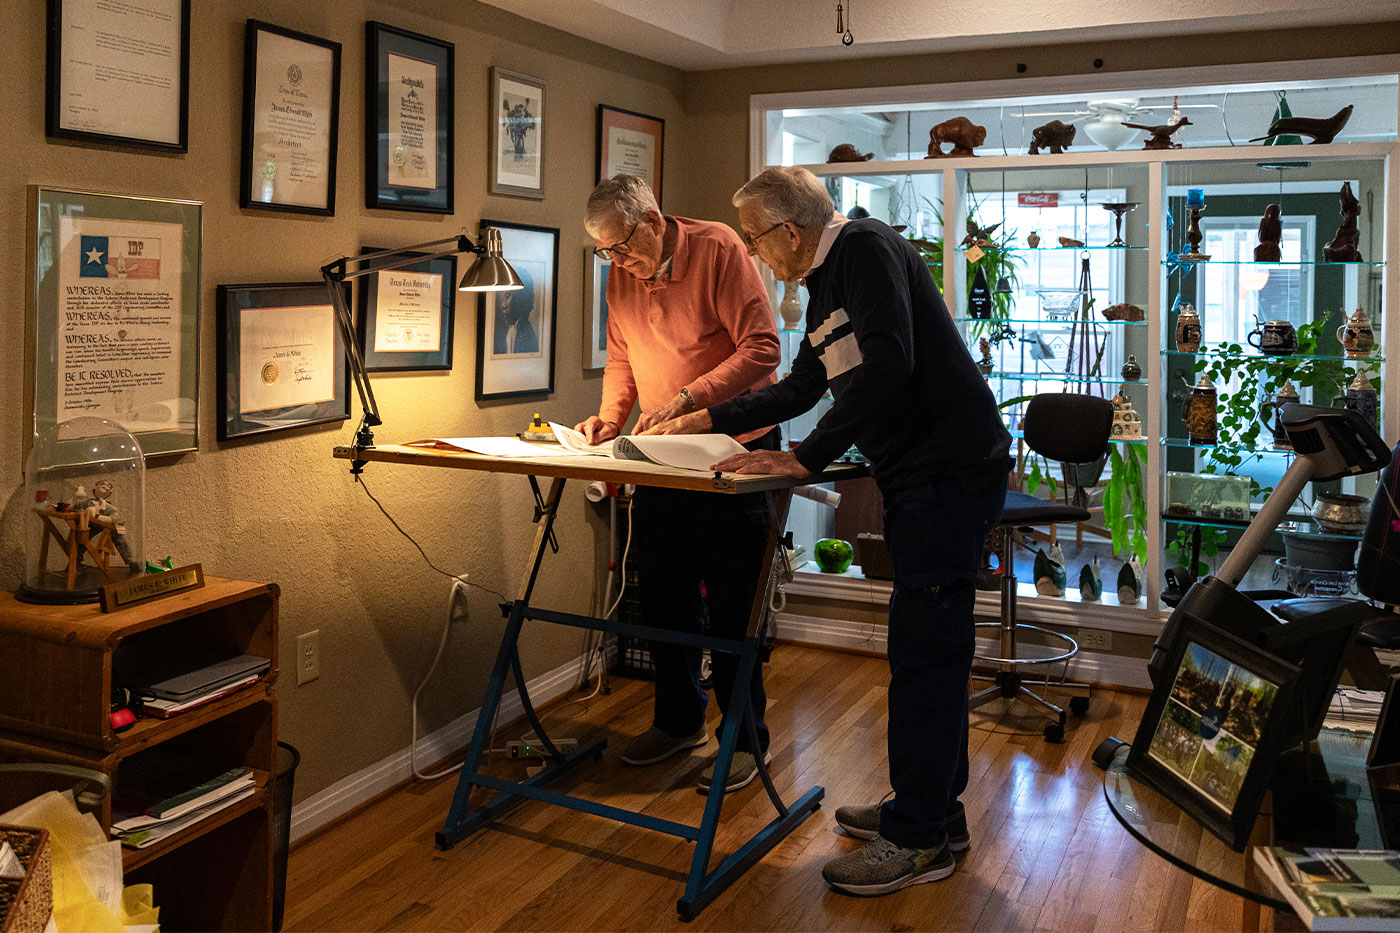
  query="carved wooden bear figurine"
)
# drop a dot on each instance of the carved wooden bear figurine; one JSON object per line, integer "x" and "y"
{"x": 1055, "y": 136}
{"x": 961, "y": 132}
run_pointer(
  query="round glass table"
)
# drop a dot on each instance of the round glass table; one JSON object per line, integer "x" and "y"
{"x": 1324, "y": 796}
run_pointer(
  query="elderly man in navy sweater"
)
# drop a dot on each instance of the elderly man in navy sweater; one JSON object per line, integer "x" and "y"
{"x": 909, "y": 396}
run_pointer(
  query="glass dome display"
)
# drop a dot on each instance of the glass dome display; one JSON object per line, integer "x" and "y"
{"x": 84, "y": 488}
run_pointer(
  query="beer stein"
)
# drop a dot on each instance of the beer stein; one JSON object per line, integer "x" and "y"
{"x": 1276, "y": 338}
{"x": 1198, "y": 411}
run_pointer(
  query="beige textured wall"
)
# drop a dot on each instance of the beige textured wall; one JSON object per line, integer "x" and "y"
{"x": 281, "y": 509}
{"x": 717, "y": 102}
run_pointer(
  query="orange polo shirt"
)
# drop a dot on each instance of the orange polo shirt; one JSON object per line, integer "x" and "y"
{"x": 704, "y": 325}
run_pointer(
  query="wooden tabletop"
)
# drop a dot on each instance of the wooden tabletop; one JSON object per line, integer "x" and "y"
{"x": 604, "y": 469}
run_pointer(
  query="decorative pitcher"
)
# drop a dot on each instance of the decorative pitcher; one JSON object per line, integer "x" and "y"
{"x": 1356, "y": 336}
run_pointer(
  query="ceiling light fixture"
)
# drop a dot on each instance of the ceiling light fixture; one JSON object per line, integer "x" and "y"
{"x": 1106, "y": 128}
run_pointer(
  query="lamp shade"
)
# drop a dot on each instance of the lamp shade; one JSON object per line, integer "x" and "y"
{"x": 490, "y": 272}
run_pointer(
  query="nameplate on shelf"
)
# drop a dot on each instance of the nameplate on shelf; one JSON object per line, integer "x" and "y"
{"x": 150, "y": 586}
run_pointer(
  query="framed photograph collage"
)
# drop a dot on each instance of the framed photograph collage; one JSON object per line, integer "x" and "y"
{"x": 280, "y": 354}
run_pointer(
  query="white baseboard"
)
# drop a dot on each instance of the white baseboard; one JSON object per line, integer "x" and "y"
{"x": 1093, "y": 667}
{"x": 364, "y": 785}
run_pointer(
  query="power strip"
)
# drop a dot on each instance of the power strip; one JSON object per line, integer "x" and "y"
{"x": 533, "y": 748}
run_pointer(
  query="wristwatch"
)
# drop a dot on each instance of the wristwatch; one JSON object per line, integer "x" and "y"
{"x": 688, "y": 399}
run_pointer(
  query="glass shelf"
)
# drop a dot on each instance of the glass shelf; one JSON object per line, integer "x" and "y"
{"x": 1135, "y": 441}
{"x": 1057, "y": 377}
{"x": 1043, "y": 322}
{"x": 1294, "y": 526}
{"x": 1218, "y": 354}
{"x": 1181, "y": 442}
{"x": 1054, "y": 249}
{"x": 1265, "y": 265}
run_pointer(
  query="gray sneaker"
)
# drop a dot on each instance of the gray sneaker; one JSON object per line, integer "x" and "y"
{"x": 654, "y": 745}
{"x": 880, "y": 867}
{"x": 863, "y": 822}
{"x": 742, "y": 770}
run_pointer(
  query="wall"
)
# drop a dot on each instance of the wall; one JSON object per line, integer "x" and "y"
{"x": 281, "y": 509}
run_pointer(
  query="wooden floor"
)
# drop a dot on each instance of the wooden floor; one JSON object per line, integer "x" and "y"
{"x": 1046, "y": 852}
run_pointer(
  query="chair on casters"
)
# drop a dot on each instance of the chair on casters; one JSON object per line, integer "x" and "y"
{"x": 1072, "y": 429}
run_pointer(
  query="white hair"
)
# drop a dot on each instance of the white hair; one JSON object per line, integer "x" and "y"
{"x": 625, "y": 195}
{"x": 787, "y": 195}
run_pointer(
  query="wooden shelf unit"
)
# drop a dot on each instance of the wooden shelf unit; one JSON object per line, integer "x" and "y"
{"x": 57, "y": 666}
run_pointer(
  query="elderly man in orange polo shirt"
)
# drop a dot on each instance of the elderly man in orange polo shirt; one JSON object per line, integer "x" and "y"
{"x": 689, "y": 326}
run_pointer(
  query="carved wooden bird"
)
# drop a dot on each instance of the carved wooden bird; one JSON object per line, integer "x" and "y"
{"x": 1322, "y": 130}
{"x": 1161, "y": 133}
{"x": 979, "y": 235}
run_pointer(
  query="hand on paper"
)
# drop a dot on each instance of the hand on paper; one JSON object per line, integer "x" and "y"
{"x": 778, "y": 462}
{"x": 697, "y": 422}
{"x": 672, "y": 409}
{"x": 595, "y": 430}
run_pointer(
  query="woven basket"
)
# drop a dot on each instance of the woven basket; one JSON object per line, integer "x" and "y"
{"x": 25, "y": 904}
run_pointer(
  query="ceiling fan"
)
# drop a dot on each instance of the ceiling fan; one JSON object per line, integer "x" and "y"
{"x": 1107, "y": 116}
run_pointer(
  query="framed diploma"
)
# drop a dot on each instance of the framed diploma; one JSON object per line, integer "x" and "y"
{"x": 630, "y": 144}
{"x": 119, "y": 73}
{"x": 406, "y": 316}
{"x": 291, "y": 114}
{"x": 595, "y": 309}
{"x": 515, "y": 330}
{"x": 408, "y": 123}
{"x": 517, "y": 134}
{"x": 115, "y": 305}
{"x": 281, "y": 359}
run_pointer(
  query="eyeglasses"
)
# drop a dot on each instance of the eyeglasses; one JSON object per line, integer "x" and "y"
{"x": 606, "y": 252}
{"x": 752, "y": 241}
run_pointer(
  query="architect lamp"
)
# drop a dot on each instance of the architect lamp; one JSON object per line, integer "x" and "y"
{"x": 488, "y": 273}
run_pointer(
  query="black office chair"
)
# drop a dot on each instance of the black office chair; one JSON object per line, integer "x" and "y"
{"x": 1072, "y": 429}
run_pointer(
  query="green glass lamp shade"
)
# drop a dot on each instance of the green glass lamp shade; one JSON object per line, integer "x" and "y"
{"x": 834, "y": 555}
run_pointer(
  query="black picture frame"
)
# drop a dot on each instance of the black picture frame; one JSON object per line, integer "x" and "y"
{"x": 60, "y": 126}
{"x": 651, "y": 147}
{"x": 367, "y": 325}
{"x": 426, "y": 185}
{"x": 506, "y": 368}
{"x": 236, "y": 419}
{"x": 258, "y": 194}
{"x": 1222, "y": 702}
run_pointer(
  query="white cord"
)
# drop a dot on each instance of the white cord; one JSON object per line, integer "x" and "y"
{"x": 458, "y": 586}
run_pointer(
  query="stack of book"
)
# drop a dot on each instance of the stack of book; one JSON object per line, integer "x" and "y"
{"x": 1336, "y": 889}
{"x": 159, "y": 793}
{"x": 163, "y": 708}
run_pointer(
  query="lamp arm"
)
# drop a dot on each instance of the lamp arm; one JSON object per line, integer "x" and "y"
{"x": 364, "y": 437}
{"x": 341, "y": 269}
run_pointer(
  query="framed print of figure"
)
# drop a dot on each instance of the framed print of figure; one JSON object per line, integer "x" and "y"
{"x": 515, "y": 329}
{"x": 517, "y": 134}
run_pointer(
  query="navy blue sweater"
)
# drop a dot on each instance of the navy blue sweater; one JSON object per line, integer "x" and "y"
{"x": 907, "y": 392}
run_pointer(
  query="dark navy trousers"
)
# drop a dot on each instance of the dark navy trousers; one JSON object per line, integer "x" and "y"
{"x": 685, "y": 540}
{"x": 935, "y": 534}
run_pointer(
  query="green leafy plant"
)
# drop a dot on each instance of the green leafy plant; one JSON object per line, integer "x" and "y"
{"x": 1124, "y": 504}
{"x": 998, "y": 261}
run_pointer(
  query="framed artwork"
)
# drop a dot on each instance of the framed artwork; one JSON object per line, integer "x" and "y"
{"x": 409, "y": 135}
{"x": 595, "y": 309}
{"x": 517, "y": 134}
{"x": 281, "y": 359}
{"x": 1212, "y": 728}
{"x": 291, "y": 116}
{"x": 630, "y": 143}
{"x": 515, "y": 330}
{"x": 119, "y": 73}
{"x": 406, "y": 316}
{"x": 116, "y": 313}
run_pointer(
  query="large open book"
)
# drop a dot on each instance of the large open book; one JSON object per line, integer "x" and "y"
{"x": 682, "y": 451}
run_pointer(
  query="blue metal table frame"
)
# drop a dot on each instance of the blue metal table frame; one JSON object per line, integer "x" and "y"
{"x": 463, "y": 819}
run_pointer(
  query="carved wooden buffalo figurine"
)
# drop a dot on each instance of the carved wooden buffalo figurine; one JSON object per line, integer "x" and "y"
{"x": 1055, "y": 136}
{"x": 961, "y": 132}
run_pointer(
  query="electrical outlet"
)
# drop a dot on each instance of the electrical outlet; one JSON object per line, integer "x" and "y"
{"x": 1095, "y": 639}
{"x": 308, "y": 656}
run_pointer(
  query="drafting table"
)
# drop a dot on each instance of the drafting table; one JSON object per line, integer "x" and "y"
{"x": 702, "y": 885}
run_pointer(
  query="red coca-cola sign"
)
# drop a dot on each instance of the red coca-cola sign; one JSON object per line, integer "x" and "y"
{"x": 1038, "y": 199}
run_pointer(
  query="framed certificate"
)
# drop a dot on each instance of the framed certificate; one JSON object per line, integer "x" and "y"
{"x": 281, "y": 359}
{"x": 119, "y": 73}
{"x": 515, "y": 330}
{"x": 408, "y": 123}
{"x": 517, "y": 134}
{"x": 406, "y": 316}
{"x": 115, "y": 305}
{"x": 595, "y": 309}
{"x": 291, "y": 115}
{"x": 630, "y": 144}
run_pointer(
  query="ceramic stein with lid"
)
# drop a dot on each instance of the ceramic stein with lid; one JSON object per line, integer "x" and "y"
{"x": 1287, "y": 395}
{"x": 1276, "y": 338}
{"x": 1357, "y": 336}
{"x": 1198, "y": 412}
{"x": 1361, "y": 398}
{"x": 1188, "y": 329}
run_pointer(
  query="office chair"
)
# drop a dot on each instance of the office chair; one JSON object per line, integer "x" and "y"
{"x": 1071, "y": 429}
